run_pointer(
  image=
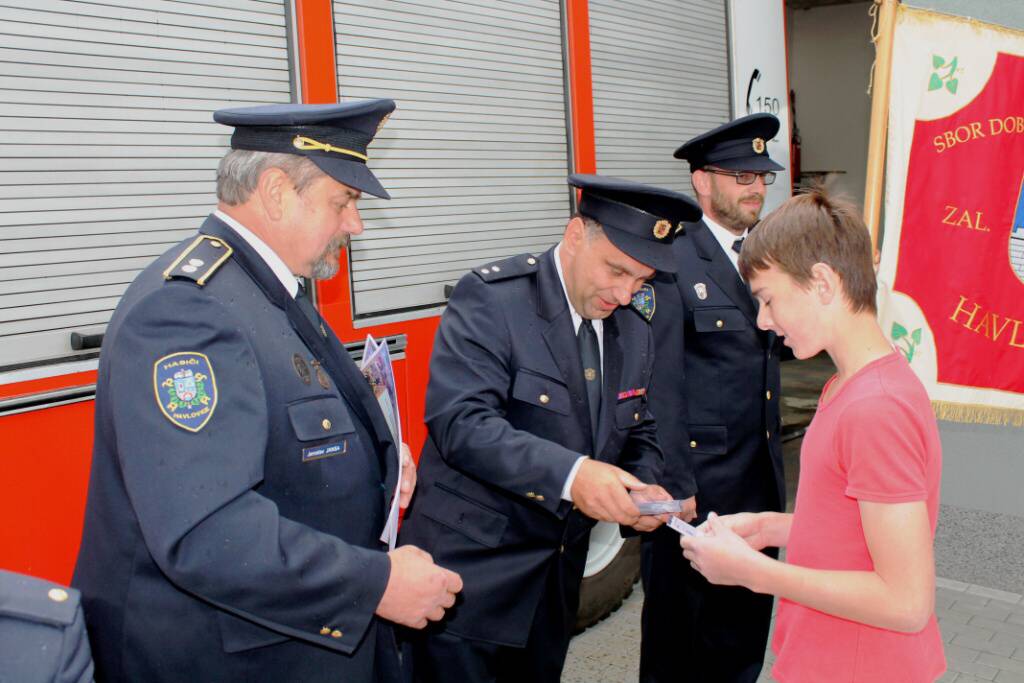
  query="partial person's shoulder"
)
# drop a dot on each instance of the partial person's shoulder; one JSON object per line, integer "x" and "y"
{"x": 199, "y": 260}
{"x": 507, "y": 269}
{"x": 28, "y": 598}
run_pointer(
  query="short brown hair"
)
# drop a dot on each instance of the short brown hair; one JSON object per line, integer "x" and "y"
{"x": 810, "y": 228}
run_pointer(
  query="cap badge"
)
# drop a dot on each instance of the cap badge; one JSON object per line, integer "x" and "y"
{"x": 702, "y": 290}
{"x": 309, "y": 144}
{"x": 758, "y": 145}
{"x": 662, "y": 228}
{"x": 590, "y": 374}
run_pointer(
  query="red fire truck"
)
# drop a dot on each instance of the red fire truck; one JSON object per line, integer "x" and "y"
{"x": 109, "y": 151}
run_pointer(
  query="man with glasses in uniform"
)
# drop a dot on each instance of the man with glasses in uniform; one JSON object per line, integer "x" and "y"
{"x": 715, "y": 396}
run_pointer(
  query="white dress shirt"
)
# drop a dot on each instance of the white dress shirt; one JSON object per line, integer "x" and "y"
{"x": 726, "y": 238}
{"x": 283, "y": 272}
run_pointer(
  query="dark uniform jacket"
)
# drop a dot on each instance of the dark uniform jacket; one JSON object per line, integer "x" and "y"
{"x": 238, "y": 487}
{"x": 507, "y": 415}
{"x": 716, "y": 384}
{"x": 42, "y": 633}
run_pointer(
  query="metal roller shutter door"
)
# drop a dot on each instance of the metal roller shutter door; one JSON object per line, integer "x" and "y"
{"x": 108, "y": 151}
{"x": 661, "y": 76}
{"x": 475, "y": 156}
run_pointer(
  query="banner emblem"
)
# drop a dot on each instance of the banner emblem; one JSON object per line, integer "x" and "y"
{"x": 185, "y": 389}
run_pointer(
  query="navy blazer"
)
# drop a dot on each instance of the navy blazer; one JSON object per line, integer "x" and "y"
{"x": 246, "y": 549}
{"x": 507, "y": 415}
{"x": 715, "y": 392}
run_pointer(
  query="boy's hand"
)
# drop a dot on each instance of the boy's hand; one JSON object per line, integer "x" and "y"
{"x": 721, "y": 555}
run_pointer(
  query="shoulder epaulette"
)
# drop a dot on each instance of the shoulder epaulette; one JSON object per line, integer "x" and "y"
{"x": 515, "y": 266}
{"x": 643, "y": 301}
{"x": 200, "y": 260}
{"x": 31, "y": 599}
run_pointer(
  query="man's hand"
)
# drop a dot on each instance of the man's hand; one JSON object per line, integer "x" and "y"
{"x": 408, "y": 485}
{"x": 418, "y": 590}
{"x": 689, "y": 511}
{"x": 652, "y": 492}
{"x": 601, "y": 491}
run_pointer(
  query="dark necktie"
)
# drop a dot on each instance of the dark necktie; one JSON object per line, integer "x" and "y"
{"x": 306, "y": 306}
{"x": 590, "y": 355}
{"x": 738, "y": 244}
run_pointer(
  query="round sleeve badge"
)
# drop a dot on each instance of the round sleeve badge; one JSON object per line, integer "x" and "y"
{"x": 186, "y": 389}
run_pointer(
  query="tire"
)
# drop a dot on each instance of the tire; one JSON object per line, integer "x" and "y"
{"x": 613, "y": 568}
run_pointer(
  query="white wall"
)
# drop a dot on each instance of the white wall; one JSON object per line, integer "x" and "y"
{"x": 829, "y": 67}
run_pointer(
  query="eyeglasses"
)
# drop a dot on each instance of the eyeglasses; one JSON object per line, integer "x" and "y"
{"x": 745, "y": 177}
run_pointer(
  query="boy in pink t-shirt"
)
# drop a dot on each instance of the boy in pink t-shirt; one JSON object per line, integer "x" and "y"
{"x": 858, "y": 588}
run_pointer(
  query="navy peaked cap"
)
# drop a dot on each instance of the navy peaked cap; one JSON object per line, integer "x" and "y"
{"x": 740, "y": 145}
{"x": 335, "y": 137}
{"x": 641, "y": 220}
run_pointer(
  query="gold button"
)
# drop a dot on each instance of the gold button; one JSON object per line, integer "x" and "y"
{"x": 326, "y": 424}
{"x": 719, "y": 323}
{"x": 531, "y": 494}
{"x": 636, "y": 417}
{"x": 561, "y": 548}
{"x": 693, "y": 444}
{"x": 540, "y": 498}
{"x": 336, "y": 634}
{"x": 545, "y": 399}
{"x": 325, "y": 631}
{"x": 767, "y": 434}
{"x": 532, "y": 261}
{"x": 57, "y": 594}
{"x": 768, "y": 394}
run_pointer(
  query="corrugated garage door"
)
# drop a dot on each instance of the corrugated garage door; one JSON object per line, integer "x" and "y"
{"x": 107, "y": 147}
{"x": 660, "y": 73}
{"x": 475, "y": 156}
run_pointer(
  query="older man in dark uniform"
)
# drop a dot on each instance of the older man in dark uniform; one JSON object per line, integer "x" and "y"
{"x": 716, "y": 400}
{"x": 243, "y": 471}
{"x": 539, "y": 425}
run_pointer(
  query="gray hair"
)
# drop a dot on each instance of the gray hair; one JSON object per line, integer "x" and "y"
{"x": 593, "y": 228}
{"x": 240, "y": 170}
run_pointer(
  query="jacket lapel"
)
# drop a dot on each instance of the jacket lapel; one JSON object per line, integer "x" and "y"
{"x": 559, "y": 335}
{"x": 721, "y": 270}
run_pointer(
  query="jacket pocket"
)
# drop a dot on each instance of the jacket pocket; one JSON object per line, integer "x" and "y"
{"x": 320, "y": 418}
{"x": 719, "y": 319}
{"x": 543, "y": 392}
{"x": 471, "y": 519}
{"x": 630, "y": 413}
{"x": 708, "y": 439}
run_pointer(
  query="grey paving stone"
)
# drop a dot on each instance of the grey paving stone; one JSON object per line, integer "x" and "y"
{"x": 994, "y": 593}
{"x": 1001, "y": 663}
{"x": 991, "y": 609}
{"x": 984, "y": 645}
{"x": 948, "y": 615}
{"x": 959, "y": 653}
{"x": 1009, "y": 677}
{"x": 1001, "y": 626}
{"x": 948, "y": 677}
{"x": 1012, "y": 639}
{"x": 976, "y": 669}
{"x": 953, "y": 628}
{"x": 951, "y": 584}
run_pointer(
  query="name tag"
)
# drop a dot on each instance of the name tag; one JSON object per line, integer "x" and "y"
{"x": 324, "y": 451}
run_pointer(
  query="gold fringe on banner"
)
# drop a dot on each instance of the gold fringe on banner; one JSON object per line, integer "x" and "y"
{"x": 972, "y": 413}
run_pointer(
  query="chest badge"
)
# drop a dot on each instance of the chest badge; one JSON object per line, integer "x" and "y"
{"x": 321, "y": 374}
{"x": 301, "y": 369}
{"x": 702, "y": 290}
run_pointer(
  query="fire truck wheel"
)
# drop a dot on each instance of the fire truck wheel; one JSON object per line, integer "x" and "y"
{"x": 613, "y": 568}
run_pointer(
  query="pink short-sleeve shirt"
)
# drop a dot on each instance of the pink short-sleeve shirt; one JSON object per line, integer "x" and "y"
{"x": 875, "y": 440}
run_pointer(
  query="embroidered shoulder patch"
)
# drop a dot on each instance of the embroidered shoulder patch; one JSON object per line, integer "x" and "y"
{"x": 185, "y": 389}
{"x": 643, "y": 301}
